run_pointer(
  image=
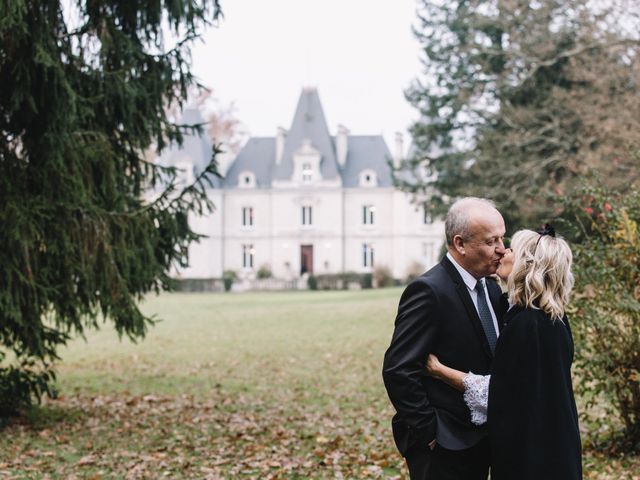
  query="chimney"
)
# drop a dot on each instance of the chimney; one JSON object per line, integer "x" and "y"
{"x": 398, "y": 155}
{"x": 281, "y": 135}
{"x": 224, "y": 159}
{"x": 341, "y": 145}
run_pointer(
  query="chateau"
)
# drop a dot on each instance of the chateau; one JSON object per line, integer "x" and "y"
{"x": 306, "y": 202}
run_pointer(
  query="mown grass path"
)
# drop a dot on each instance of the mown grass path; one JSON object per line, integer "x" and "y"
{"x": 260, "y": 385}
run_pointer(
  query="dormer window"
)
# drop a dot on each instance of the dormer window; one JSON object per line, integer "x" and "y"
{"x": 247, "y": 180}
{"x": 368, "y": 178}
{"x": 307, "y": 173}
{"x": 306, "y": 164}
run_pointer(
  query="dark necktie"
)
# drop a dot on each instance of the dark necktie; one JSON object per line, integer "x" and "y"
{"x": 485, "y": 316}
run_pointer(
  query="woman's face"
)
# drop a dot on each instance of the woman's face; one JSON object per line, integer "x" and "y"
{"x": 506, "y": 265}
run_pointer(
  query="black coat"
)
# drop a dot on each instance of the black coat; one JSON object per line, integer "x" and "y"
{"x": 532, "y": 416}
{"x": 436, "y": 315}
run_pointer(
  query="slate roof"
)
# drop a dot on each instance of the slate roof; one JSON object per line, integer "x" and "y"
{"x": 196, "y": 147}
{"x": 308, "y": 122}
{"x": 366, "y": 153}
{"x": 363, "y": 152}
{"x": 259, "y": 154}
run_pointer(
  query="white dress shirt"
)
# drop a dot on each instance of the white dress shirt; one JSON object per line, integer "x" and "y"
{"x": 470, "y": 281}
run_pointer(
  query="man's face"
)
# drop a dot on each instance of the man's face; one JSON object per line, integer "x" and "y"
{"x": 484, "y": 248}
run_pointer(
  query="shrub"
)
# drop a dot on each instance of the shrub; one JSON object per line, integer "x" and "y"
{"x": 337, "y": 281}
{"x": 366, "y": 280}
{"x": 228, "y": 277}
{"x": 312, "y": 282}
{"x": 350, "y": 277}
{"x": 264, "y": 272}
{"x": 606, "y": 316}
{"x": 382, "y": 276}
{"x": 414, "y": 270}
{"x": 329, "y": 281}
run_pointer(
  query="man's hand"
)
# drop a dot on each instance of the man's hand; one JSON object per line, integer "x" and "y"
{"x": 432, "y": 444}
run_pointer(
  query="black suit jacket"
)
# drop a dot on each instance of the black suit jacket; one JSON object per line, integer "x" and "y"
{"x": 436, "y": 315}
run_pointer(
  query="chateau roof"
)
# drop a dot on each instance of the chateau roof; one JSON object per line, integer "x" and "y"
{"x": 363, "y": 152}
{"x": 308, "y": 123}
{"x": 367, "y": 153}
{"x": 259, "y": 154}
{"x": 196, "y": 147}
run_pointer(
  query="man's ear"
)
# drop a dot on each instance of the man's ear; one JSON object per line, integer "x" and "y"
{"x": 458, "y": 244}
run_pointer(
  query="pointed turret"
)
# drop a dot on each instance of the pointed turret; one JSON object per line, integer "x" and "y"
{"x": 308, "y": 124}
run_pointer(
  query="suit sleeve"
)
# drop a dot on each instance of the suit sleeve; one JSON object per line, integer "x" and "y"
{"x": 414, "y": 337}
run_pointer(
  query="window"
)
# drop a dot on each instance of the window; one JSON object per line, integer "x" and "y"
{"x": 367, "y": 178}
{"x": 306, "y": 216}
{"x": 307, "y": 173}
{"x": 246, "y": 179}
{"x": 427, "y": 219}
{"x": 368, "y": 214}
{"x": 247, "y": 216}
{"x": 247, "y": 256}
{"x": 367, "y": 255}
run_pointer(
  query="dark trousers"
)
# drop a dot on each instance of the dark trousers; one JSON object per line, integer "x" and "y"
{"x": 442, "y": 464}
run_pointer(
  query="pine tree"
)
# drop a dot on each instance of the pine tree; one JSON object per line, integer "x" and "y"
{"x": 84, "y": 90}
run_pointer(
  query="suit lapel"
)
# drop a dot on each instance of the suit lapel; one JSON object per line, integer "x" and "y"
{"x": 463, "y": 292}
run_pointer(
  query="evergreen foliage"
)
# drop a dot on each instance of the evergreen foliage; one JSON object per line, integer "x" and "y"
{"x": 518, "y": 100}
{"x": 84, "y": 91}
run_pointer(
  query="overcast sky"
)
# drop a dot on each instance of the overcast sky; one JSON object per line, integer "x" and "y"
{"x": 360, "y": 54}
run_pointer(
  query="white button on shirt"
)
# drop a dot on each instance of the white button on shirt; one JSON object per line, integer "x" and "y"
{"x": 470, "y": 281}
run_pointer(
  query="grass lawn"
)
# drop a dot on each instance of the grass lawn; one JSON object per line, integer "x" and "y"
{"x": 259, "y": 385}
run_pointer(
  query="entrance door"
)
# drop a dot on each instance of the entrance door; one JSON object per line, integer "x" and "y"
{"x": 306, "y": 259}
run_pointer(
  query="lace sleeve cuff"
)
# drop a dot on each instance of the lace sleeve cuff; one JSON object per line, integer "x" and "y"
{"x": 476, "y": 395}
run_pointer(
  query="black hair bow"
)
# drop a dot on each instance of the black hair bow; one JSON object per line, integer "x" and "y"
{"x": 547, "y": 230}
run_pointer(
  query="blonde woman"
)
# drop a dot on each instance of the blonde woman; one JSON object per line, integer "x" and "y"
{"x": 528, "y": 401}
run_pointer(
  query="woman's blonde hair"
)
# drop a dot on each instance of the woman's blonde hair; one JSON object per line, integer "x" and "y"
{"x": 541, "y": 277}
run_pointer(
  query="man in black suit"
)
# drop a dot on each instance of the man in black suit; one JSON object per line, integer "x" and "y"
{"x": 454, "y": 312}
